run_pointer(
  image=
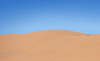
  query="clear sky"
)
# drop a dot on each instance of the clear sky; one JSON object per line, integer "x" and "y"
{"x": 25, "y": 16}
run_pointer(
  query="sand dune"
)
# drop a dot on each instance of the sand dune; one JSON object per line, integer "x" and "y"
{"x": 50, "y": 45}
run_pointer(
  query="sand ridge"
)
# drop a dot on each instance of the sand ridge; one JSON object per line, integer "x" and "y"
{"x": 50, "y": 45}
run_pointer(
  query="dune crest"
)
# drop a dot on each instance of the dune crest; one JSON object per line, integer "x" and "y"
{"x": 50, "y": 45}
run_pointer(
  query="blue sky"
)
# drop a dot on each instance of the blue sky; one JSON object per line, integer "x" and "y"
{"x": 25, "y": 16}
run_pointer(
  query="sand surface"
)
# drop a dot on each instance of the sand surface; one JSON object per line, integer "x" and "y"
{"x": 50, "y": 45}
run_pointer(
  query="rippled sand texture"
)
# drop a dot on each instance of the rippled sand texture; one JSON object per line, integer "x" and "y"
{"x": 50, "y": 45}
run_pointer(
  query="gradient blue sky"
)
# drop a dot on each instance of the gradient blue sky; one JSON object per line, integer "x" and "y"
{"x": 25, "y": 16}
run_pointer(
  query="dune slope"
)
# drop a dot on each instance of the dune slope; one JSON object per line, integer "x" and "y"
{"x": 50, "y": 45}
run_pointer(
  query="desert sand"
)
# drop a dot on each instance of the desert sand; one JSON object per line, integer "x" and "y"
{"x": 50, "y": 45}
